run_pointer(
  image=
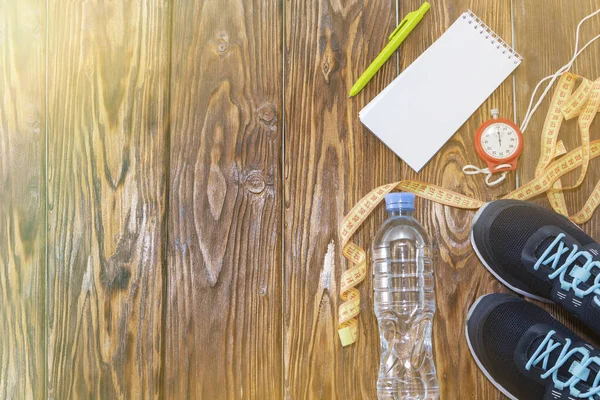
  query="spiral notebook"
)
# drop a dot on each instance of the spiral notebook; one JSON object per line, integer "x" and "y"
{"x": 427, "y": 103}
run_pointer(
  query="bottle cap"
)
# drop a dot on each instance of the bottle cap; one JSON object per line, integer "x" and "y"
{"x": 399, "y": 201}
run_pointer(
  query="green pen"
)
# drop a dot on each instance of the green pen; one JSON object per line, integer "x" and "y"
{"x": 395, "y": 40}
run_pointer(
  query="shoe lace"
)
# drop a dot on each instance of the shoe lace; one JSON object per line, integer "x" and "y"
{"x": 578, "y": 369}
{"x": 578, "y": 273}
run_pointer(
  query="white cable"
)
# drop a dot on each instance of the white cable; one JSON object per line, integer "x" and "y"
{"x": 560, "y": 71}
{"x": 564, "y": 68}
{"x": 474, "y": 170}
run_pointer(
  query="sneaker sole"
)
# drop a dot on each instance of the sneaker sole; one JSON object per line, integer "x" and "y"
{"x": 479, "y": 364}
{"x": 508, "y": 285}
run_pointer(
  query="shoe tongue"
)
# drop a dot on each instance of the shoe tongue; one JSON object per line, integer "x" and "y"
{"x": 563, "y": 371}
{"x": 544, "y": 244}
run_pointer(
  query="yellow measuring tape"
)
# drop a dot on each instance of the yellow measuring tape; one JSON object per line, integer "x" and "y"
{"x": 566, "y": 104}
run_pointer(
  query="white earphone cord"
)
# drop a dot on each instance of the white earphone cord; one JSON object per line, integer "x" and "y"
{"x": 564, "y": 68}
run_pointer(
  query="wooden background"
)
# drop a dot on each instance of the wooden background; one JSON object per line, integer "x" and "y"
{"x": 173, "y": 173}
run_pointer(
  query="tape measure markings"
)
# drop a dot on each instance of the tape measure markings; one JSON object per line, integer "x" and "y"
{"x": 547, "y": 180}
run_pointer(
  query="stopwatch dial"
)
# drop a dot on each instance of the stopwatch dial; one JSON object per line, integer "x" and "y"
{"x": 499, "y": 140}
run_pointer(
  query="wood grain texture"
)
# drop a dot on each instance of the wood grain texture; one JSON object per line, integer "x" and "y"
{"x": 331, "y": 161}
{"x": 166, "y": 210}
{"x": 546, "y": 48}
{"x": 224, "y": 279}
{"x": 107, "y": 128}
{"x": 459, "y": 276}
{"x": 22, "y": 199}
{"x": 329, "y": 149}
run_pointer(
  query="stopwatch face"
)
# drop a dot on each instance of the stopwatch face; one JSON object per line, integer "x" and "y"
{"x": 499, "y": 140}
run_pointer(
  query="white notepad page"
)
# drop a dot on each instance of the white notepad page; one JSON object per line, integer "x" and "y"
{"x": 427, "y": 103}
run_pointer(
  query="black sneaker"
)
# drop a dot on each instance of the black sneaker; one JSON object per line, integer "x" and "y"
{"x": 527, "y": 354}
{"x": 540, "y": 254}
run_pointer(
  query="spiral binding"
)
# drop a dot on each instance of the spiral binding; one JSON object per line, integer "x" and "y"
{"x": 492, "y": 36}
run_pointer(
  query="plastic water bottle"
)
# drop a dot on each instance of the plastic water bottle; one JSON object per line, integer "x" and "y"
{"x": 404, "y": 303}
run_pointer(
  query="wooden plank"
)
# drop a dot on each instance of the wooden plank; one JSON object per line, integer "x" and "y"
{"x": 107, "y": 127}
{"x": 331, "y": 161}
{"x": 459, "y": 276}
{"x": 546, "y": 48}
{"x": 22, "y": 198}
{"x": 224, "y": 280}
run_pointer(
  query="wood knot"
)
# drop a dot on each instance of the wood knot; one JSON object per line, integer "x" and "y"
{"x": 34, "y": 119}
{"x": 115, "y": 279}
{"x": 326, "y": 69}
{"x": 266, "y": 113}
{"x": 121, "y": 279}
{"x": 221, "y": 45}
{"x": 331, "y": 51}
{"x": 255, "y": 182}
{"x": 33, "y": 198}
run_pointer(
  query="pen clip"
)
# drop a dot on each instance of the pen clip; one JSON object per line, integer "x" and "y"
{"x": 411, "y": 16}
{"x": 404, "y": 22}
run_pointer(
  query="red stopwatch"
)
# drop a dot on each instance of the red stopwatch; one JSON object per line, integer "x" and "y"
{"x": 499, "y": 143}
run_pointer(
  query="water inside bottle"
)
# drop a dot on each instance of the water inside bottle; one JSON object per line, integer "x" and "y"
{"x": 404, "y": 305}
